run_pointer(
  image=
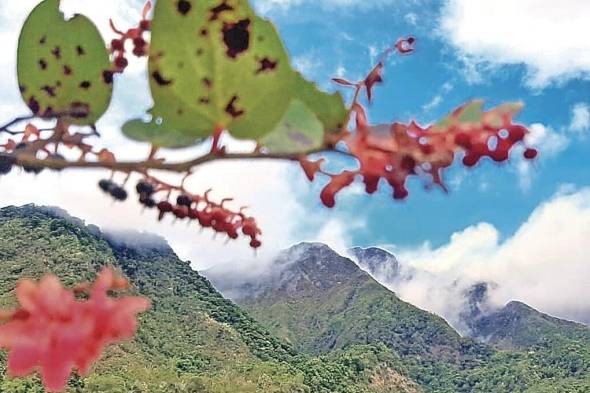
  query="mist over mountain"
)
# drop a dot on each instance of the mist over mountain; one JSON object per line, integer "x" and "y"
{"x": 321, "y": 301}
{"x": 309, "y": 321}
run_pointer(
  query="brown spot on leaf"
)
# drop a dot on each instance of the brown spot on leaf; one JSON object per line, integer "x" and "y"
{"x": 160, "y": 80}
{"x": 85, "y": 85}
{"x": 42, "y": 64}
{"x": 183, "y": 7}
{"x": 199, "y": 52}
{"x": 33, "y": 105}
{"x": 107, "y": 77}
{"x": 266, "y": 65}
{"x": 216, "y": 11}
{"x": 67, "y": 70}
{"x": 50, "y": 90}
{"x": 58, "y": 83}
{"x": 48, "y": 112}
{"x": 207, "y": 83}
{"x": 79, "y": 110}
{"x": 80, "y": 51}
{"x": 204, "y": 32}
{"x": 204, "y": 100}
{"x": 56, "y": 52}
{"x": 43, "y": 40}
{"x": 179, "y": 112}
{"x": 22, "y": 88}
{"x": 231, "y": 109}
{"x": 236, "y": 37}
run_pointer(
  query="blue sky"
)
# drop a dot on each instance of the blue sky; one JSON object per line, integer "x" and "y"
{"x": 523, "y": 226}
{"x": 331, "y": 40}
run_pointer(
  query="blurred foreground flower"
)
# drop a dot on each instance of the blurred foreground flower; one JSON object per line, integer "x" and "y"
{"x": 53, "y": 332}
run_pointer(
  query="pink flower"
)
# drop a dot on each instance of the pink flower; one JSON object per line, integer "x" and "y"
{"x": 53, "y": 332}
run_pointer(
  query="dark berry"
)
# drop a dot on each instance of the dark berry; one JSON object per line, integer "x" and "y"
{"x": 139, "y": 42}
{"x": 118, "y": 193}
{"x": 34, "y": 169}
{"x": 139, "y": 51}
{"x": 6, "y": 163}
{"x": 531, "y": 154}
{"x": 121, "y": 62}
{"x": 57, "y": 157}
{"x": 106, "y": 185}
{"x": 184, "y": 200}
{"x": 165, "y": 207}
{"x": 144, "y": 187}
{"x": 145, "y": 25}
{"x": 117, "y": 44}
{"x": 255, "y": 243}
{"x": 180, "y": 212}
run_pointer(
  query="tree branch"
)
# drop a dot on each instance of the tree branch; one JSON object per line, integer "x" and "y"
{"x": 24, "y": 159}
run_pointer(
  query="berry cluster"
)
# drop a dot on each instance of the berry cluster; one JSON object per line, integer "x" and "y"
{"x": 113, "y": 189}
{"x": 136, "y": 36}
{"x": 189, "y": 207}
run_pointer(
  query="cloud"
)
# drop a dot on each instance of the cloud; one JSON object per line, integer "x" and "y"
{"x": 580, "y": 119}
{"x": 266, "y": 6}
{"x": 549, "y": 142}
{"x": 550, "y": 39}
{"x": 544, "y": 263}
{"x": 266, "y": 187}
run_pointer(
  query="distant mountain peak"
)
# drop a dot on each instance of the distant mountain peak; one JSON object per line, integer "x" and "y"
{"x": 379, "y": 263}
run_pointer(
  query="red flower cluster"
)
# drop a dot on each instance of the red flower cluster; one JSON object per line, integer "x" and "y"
{"x": 397, "y": 151}
{"x": 53, "y": 332}
{"x": 135, "y": 35}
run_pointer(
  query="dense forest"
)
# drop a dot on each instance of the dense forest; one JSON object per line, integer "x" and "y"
{"x": 195, "y": 340}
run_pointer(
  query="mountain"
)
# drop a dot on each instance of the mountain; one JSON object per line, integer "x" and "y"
{"x": 519, "y": 326}
{"x": 192, "y": 339}
{"x": 380, "y": 264}
{"x": 320, "y": 301}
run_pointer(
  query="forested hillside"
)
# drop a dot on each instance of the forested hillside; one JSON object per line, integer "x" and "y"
{"x": 192, "y": 340}
{"x": 320, "y": 301}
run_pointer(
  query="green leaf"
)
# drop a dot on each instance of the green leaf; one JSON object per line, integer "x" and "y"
{"x": 329, "y": 108}
{"x": 472, "y": 114}
{"x": 310, "y": 115}
{"x": 63, "y": 66}
{"x": 299, "y": 130}
{"x": 155, "y": 134}
{"x": 216, "y": 64}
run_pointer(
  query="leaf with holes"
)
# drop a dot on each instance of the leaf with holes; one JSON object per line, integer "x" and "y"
{"x": 63, "y": 66}
{"x": 216, "y": 64}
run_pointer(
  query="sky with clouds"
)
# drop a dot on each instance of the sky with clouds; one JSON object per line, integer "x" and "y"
{"x": 493, "y": 223}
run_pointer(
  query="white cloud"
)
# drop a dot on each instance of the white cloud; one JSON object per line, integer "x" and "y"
{"x": 266, "y": 6}
{"x": 432, "y": 104}
{"x": 549, "y": 142}
{"x": 267, "y": 188}
{"x": 549, "y": 38}
{"x": 580, "y": 118}
{"x": 544, "y": 263}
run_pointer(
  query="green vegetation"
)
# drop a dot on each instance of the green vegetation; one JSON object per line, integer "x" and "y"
{"x": 331, "y": 304}
{"x": 192, "y": 340}
{"x": 336, "y": 331}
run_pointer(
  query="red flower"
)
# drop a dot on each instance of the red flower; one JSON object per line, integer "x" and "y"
{"x": 53, "y": 332}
